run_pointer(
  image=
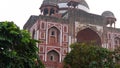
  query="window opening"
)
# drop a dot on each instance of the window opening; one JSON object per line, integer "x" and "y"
{"x": 52, "y": 58}
{"x": 53, "y": 33}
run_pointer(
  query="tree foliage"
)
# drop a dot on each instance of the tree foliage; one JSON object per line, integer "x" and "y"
{"x": 17, "y": 49}
{"x": 88, "y": 56}
{"x": 117, "y": 56}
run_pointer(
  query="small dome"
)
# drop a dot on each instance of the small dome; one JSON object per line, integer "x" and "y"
{"x": 108, "y": 14}
{"x": 50, "y": 2}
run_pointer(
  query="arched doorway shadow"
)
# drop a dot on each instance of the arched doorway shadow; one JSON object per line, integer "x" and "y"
{"x": 88, "y": 36}
{"x": 53, "y": 56}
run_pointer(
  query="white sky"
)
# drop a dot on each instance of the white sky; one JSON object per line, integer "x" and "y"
{"x": 19, "y": 11}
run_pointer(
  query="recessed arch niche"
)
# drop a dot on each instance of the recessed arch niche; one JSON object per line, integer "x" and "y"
{"x": 88, "y": 36}
{"x": 54, "y": 35}
{"x": 53, "y": 56}
{"x": 117, "y": 42}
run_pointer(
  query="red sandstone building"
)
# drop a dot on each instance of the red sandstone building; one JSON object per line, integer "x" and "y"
{"x": 63, "y": 22}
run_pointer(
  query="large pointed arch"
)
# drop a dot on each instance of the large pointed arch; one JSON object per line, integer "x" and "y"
{"x": 88, "y": 36}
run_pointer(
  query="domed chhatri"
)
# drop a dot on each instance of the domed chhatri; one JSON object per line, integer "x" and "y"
{"x": 62, "y": 4}
{"x": 108, "y": 14}
{"x": 110, "y": 18}
{"x": 49, "y": 7}
{"x": 50, "y": 2}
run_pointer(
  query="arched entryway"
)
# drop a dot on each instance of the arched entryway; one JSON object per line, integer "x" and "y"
{"x": 53, "y": 56}
{"x": 88, "y": 36}
{"x": 54, "y": 36}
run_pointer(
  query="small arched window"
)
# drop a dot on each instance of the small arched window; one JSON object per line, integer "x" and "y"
{"x": 52, "y": 58}
{"x": 45, "y": 11}
{"x": 52, "y": 33}
{"x": 52, "y": 11}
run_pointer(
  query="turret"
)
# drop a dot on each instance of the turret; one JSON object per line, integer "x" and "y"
{"x": 110, "y": 18}
{"x": 49, "y": 7}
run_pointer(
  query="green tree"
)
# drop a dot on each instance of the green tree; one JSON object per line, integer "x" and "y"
{"x": 117, "y": 56}
{"x": 17, "y": 49}
{"x": 88, "y": 56}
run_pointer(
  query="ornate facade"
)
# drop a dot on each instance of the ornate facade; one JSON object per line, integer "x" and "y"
{"x": 63, "y": 22}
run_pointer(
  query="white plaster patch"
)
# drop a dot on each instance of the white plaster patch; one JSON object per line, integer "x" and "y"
{"x": 82, "y": 7}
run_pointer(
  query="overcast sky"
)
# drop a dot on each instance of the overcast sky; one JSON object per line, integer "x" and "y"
{"x": 19, "y": 11}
